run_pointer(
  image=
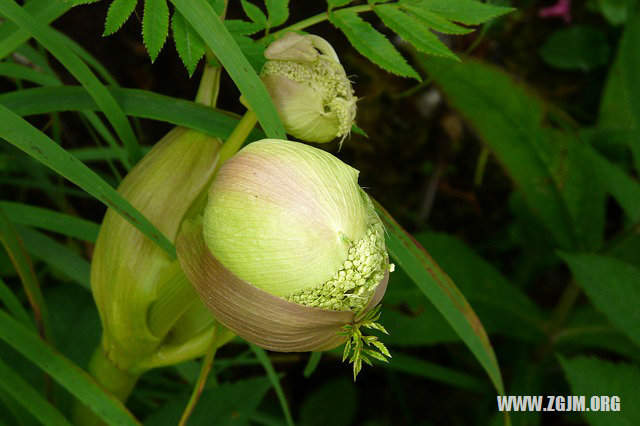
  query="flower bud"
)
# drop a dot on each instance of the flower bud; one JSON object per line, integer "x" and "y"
{"x": 309, "y": 88}
{"x": 289, "y": 250}
{"x": 129, "y": 273}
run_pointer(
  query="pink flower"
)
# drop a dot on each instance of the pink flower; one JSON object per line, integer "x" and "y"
{"x": 562, "y": 9}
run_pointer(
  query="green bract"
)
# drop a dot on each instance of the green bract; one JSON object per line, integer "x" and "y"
{"x": 289, "y": 250}
{"x": 309, "y": 88}
{"x": 131, "y": 276}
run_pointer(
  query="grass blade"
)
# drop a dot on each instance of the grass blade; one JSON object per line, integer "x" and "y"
{"x": 134, "y": 102}
{"x": 21, "y": 72}
{"x": 14, "y": 306}
{"x": 63, "y": 371}
{"x": 18, "y": 254}
{"x": 56, "y": 255}
{"x": 262, "y": 356}
{"x": 29, "y": 398}
{"x": 45, "y": 11}
{"x": 442, "y": 292}
{"x": 38, "y": 145}
{"x": 51, "y": 220}
{"x": 55, "y": 44}
{"x": 207, "y": 23}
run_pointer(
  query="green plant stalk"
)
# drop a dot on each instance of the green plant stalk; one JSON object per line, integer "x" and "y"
{"x": 207, "y": 363}
{"x": 114, "y": 380}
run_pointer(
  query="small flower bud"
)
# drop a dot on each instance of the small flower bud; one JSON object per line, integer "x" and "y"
{"x": 309, "y": 88}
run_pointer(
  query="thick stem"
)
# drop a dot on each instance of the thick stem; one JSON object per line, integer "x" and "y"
{"x": 114, "y": 380}
{"x": 237, "y": 137}
{"x": 209, "y": 86}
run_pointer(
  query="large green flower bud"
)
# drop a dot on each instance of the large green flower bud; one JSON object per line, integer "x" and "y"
{"x": 289, "y": 250}
{"x": 131, "y": 276}
{"x": 309, "y": 88}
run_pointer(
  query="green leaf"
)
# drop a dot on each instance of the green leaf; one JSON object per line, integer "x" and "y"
{"x": 579, "y": 47}
{"x": 21, "y": 72}
{"x": 51, "y": 220}
{"x": 58, "y": 48}
{"x": 254, "y": 13}
{"x": 434, "y": 21}
{"x": 14, "y": 306}
{"x": 30, "y": 398}
{"x": 612, "y": 286}
{"x": 442, "y": 292}
{"x": 155, "y": 26}
{"x": 339, "y": 394}
{"x": 262, "y": 356}
{"x": 421, "y": 368}
{"x": 207, "y": 23}
{"x": 227, "y": 404}
{"x": 45, "y": 11}
{"x": 371, "y": 44}
{"x": 410, "y": 29}
{"x": 278, "y": 11}
{"x": 135, "y": 102}
{"x": 630, "y": 63}
{"x": 189, "y": 44}
{"x": 338, "y": 3}
{"x": 67, "y": 374}
{"x": 470, "y": 12}
{"x": 118, "y": 13}
{"x": 57, "y": 256}
{"x": 595, "y": 377}
{"x": 39, "y": 146}
{"x": 21, "y": 261}
{"x": 501, "y": 306}
{"x": 240, "y": 27}
{"x": 551, "y": 168}
{"x": 312, "y": 364}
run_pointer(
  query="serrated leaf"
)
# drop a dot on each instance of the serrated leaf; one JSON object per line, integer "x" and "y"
{"x": 240, "y": 27}
{"x": 278, "y": 11}
{"x": 436, "y": 22}
{"x": 410, "y": 29}
{"x": 595, "y": 377}
{"x": 371, "y": 44}
{"x": 254, "y": 13}
{"x": 189, "y": 44}
{"x": 253, "y": 51}
{"x": 470, "y": 12}
{"x": 612, "y": 286}
{"x": 119, "y": 12}
{"x": 155, "y": 26}
{"x": 338, "y": 3}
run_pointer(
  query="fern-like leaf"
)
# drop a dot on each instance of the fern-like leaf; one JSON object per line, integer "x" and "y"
{"x": 435, "y": 22}
{"x": 189, "y": 44}
{"x": 469, "y": 12}
{"x": 278, "y": 11}
{"x": 118, "y": 13}
{"x": 370, "y": 43}
{"x": 155, "y": 26}
{"x": 254, "y": 13}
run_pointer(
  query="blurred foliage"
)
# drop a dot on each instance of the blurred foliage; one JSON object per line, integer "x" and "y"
{"x": 512, "y": 156}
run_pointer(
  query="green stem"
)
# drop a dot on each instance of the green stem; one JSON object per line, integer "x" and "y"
{"x": 114, "y": 380}
{"x": 209, "y": 86}
{"x": 237, "y": 137}
{"x": 321, "y": 17}
{"x": 207, "y": 363}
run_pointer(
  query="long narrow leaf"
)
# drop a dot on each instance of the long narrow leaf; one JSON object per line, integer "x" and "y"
{"x": 30, "y": 398}
{"x": 51, "y": 220}
{"x": 45, "y": 11}
{"x": 262, "y": 356}
{"x": 56, "y": 255}
{"x": 206, "y": 22}
{"x": 38, "y": 145}
{"x": 17, "y": 252}
{"x": 66, "y": 373}
{"x": 134, "y": 102}
{"x": 13, "y": 305}
{"x": 442, "y": 292}
{"x": 52, "y": 41}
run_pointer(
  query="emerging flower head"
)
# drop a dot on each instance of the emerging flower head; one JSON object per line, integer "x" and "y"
{"x": 309, "y": 87}
{"x": 290, "y": 249}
